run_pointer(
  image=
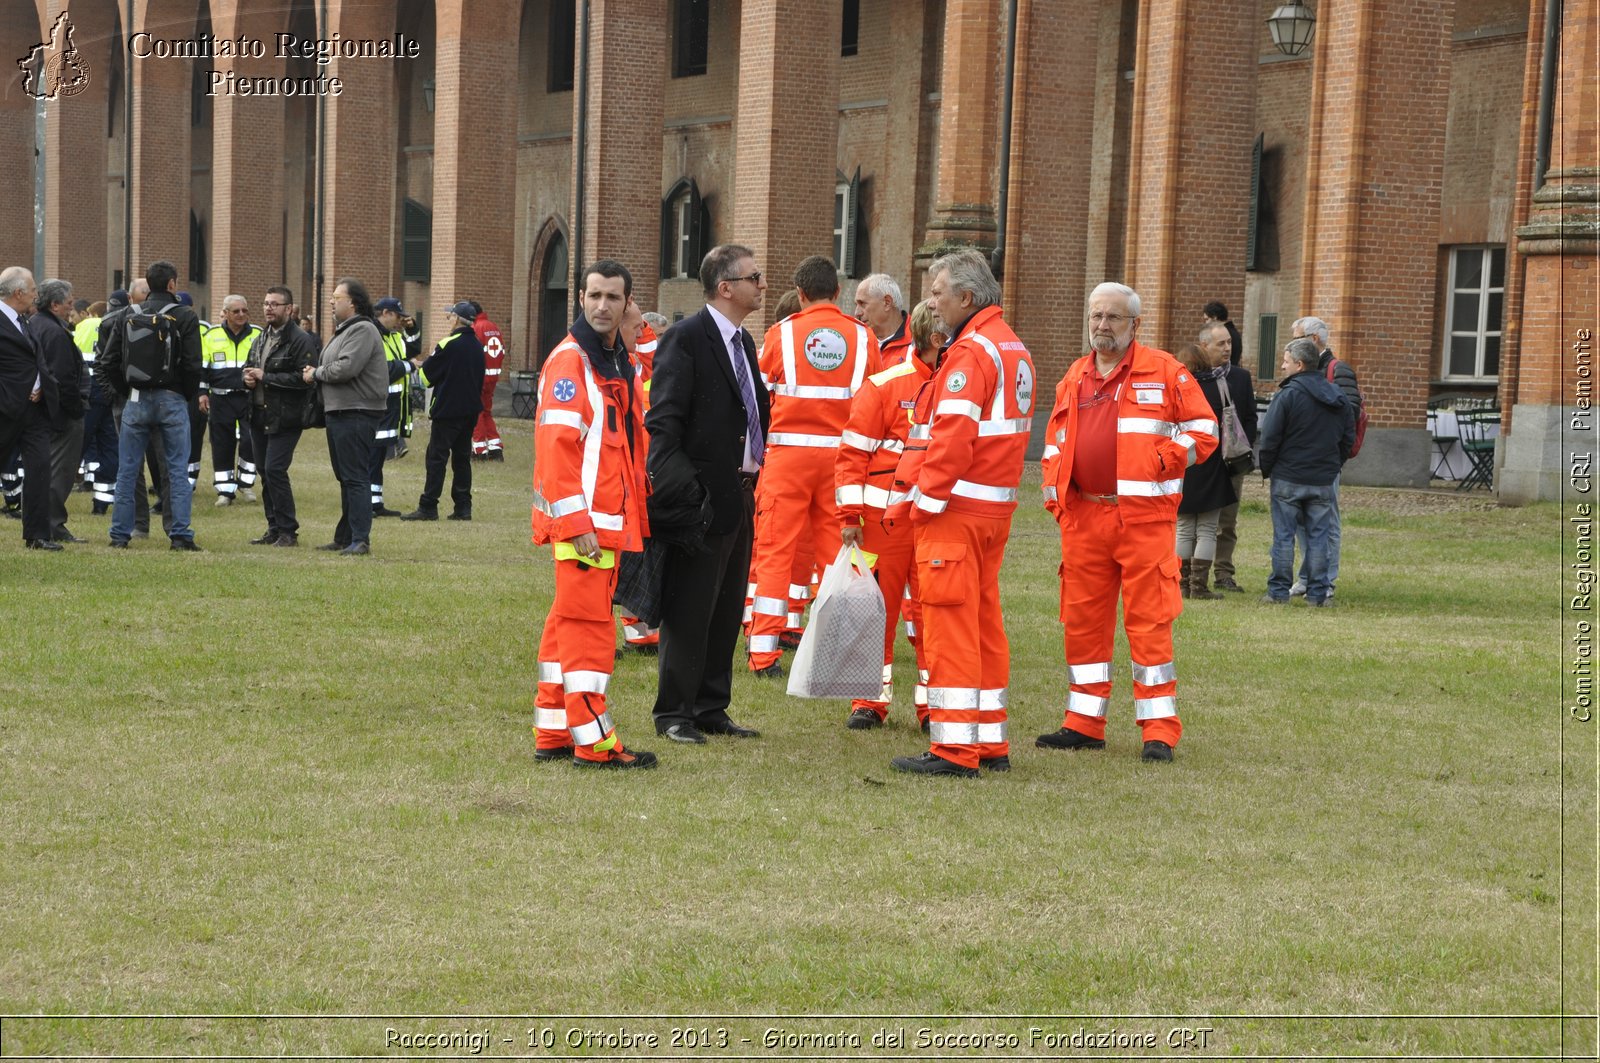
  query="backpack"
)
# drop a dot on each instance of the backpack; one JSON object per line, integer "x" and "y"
{"x": 150, "y": 348}
{"x": 1361, "y": 409}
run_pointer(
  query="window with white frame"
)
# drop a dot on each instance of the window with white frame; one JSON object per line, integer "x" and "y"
{"x": 1475, "y": 313}
{"x": 846, "y": 213}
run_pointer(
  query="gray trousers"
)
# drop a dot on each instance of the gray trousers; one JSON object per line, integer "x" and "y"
{"x": 66, "y": 447}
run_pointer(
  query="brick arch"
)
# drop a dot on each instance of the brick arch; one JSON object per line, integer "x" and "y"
{"x": 554, "y": 227}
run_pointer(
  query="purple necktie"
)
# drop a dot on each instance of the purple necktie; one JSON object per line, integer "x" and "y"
{"x": 747, "y": 391}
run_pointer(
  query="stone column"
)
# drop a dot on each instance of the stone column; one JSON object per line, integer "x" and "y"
{"x": 786, "y": 135}
{"x": 1193, "y": 127}
{"x": 622, "y": 154}
{"x": 1374, "y": 178}
{"x": 474, "y": 155}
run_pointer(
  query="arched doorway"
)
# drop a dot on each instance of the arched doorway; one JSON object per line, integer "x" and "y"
{"x": 553, "y": 301}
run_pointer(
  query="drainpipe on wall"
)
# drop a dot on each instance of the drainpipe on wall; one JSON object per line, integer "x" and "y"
{"x": 322, "y": 166}
{"x": 580, "y": 142}
{"x": 127, "y": 158}
{"x": 997, "y": 258}
{"x": 1547, "y": 91}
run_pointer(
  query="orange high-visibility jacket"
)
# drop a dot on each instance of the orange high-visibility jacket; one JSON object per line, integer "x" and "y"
{"x": 874, "y": 437}
{"x": 977, "y": 412}
{"x": 1164, "y": 425}
{"x": 588, "y": 468}
{"x": 644, "y": 353}
{"x": 814, "y": 362}
{"x": 898, "y": 348}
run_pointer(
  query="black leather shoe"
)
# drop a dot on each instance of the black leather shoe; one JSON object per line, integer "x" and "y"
{"x": 645, "y": 649}
{"x": 551, "y": 755}
{"x": 381, "y": 510}
{"x": 100, "y": 509}
{"x": 771, "y": 671}
{"x": 118, "y": 544}
{"x": 269, "y": 539}
{"x": 687, "y": 733}
{"x": 460, "y": 514}
{"x": 421, "y": 514}
{"x": 14, "y": 512}
{"x": 863, "y": 720}
{"x": 68, "y": 537}
{"x": 286, "y": 539}
{"x": 188, "y": 545}
{"x": 43, "y": 544}
{"x": 928, "y": 764}
{"x": 1068, "y": 739}
{"x": 627, "y": 758}
{"x": 1157, "y": 750}
{"x": 995, "y": 763}
{"x": 730, "y": 729}
{"x": 356, "y": 550}
{"x": 330, "y": 547}
{"x": 1227, "y": 585}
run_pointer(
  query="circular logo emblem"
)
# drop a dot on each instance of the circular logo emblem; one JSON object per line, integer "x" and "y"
{"x": 1024, "y": 387}
{"x": 825, "y": 349}
{"x": 957, "y": 381}
{"x": 565, "y": 390}
{"x": 494, "y": 348}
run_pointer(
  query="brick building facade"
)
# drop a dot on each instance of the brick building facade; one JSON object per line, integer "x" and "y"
{"x": 1383, "y": 180}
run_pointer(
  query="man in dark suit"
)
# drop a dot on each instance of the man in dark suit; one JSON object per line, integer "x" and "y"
{"x": 27, "y": 405}
{"x": 708, "y": 425}
{"x": 48, "y": 327}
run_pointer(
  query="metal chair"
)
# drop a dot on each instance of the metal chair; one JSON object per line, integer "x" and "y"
{"x": 1443, "y": 441}
{"x": 1475, "y": 431}
{"x": 523, "y": 397}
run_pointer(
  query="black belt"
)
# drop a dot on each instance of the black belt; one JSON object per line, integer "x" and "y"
{"x": 747, "y": 480}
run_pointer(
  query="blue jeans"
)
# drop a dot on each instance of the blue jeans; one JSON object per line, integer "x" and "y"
{"x": 1301, "y": 510}
{"x": 1333, "y": 546}
{"x": 168, "y": 411}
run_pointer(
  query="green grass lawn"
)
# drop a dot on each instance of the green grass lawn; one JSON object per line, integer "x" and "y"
{"x": 279, "y": 781}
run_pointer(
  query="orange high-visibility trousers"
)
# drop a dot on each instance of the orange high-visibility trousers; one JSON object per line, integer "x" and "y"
{"x": 1103, "y": 556}
{"x": 636, "y": 632}
{"x": 964, "y": 634}
{"x": 576, "y": 651}
{"x": 896, "y": 572}
{"x": 794, "y": 503}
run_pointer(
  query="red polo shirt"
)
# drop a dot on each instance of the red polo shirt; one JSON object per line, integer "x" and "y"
{"x": 1094, "y": 458}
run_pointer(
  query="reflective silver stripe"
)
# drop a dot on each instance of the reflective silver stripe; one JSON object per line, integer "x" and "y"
{"x": 859, "y": 441}
{"x": 1090, "y": 673}
{"x": 800, "y": 439}
{"x": 1153, "y": 675}
{"x": 811, "y": 391}
{"x": 1050, "y": 493}
{"x": 104, "y": 493}
{"x": 397, "y": 387}
{"x": 919, "y": 695}
{"x": 894, "y": 446}
{"x": 882, "y": 497}
{"x": 994, "y": 699}
{"x": 849, "y": 495}
{"x": 800, "y": 592}
{"x": 550, "y": 719}
{"x": 1186, "y": 441}
{"x": 957, "y": 408}
{"x": 588, "y": 734}
{"x": 965, "y": 734}
{"x": 792, "y": 620}
{"x": 581, "y": 681}
{"x": 1154, "y": 708}
{"x": 911, "y": 630}
{"x": 606, "y": 521}
{"x": 1086, "y": 704}
{"x": 1204, "y": 425}
{"x": 921, "y": 432}
{"x": 1051, "y": 451}
{"x": 763, "y": 643}
{"x": 786, "y": 342}
{"x": 770, "y": 606}
{"x": 926, "y": 504}
{"x": 561, "y": 507}
{"x": 491, "y": 372}
{"x": 1145, "y": 426}
{"x": 985, "y": 493}
{"x": 221, "y": 477}
{"x": 888, "y": 674}
{"x": 550, "y": 672}
{"x": 1014, "y": 426}
{"x": 386, "y": 433}
{"x": 648, "y": 348}
{"x": 1150, "y": 488}
{"x": 636, "y": 631}
{"x": 570, "y": 418}
{"x": 747, "y": 616}
{"x": 955, "y": 698}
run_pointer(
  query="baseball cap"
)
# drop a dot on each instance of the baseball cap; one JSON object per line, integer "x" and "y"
{"x": 388, "y": 303}
{"x": 463, "y": 310}
{"x": 118, "y": 298}
{"x": 185, "y": 299}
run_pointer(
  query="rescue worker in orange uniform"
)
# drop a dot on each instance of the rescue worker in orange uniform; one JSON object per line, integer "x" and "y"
{"x": 978, "y": 409}
{"x": 1128, "y": 420}
{"x": 874, "y": 438}
{"x": 589, "y": 503}
{"x": 486, "y": 434}
{"x": 640, "y": 338}
{"x": 882, "y": 308}
{"x": 813, "y": 362}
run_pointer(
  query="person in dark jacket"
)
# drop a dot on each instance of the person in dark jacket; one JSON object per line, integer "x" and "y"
{"x": 48, "y": 327}
{"x": 1306, "y": 437}
{"x": 274, "y": 374}
{"x": 1207, "y": 489}
{"x": 455, "y": 372}
{"x": 162, "y": 403}
{"x": 1218, "y": 313}
{"x": 1344, "y": 375}
{"x": 1217, "y": 341}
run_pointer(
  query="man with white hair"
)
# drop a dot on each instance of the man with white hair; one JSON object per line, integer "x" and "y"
{"x": 1128, "y": 421}
{"x": 27, "y": 391}
{"x": 882, "y": 308}
{"x": 1342, "y": 374}
{"x": 226, "y": 401}
{"x": 48, "y": 327}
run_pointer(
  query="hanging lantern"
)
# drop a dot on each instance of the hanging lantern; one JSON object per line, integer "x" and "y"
{"x": 1292, "y": 27}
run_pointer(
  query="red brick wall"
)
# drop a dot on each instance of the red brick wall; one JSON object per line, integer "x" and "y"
{"x": 75, "y": 159}
{"x": 969, "y": 116}
{"x": 161, "y": 144}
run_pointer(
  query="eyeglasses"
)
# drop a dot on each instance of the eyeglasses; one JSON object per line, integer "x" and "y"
{"x": 1108, "y": 319}
{"x": 270, "y": 305}
{"x": 246, "y": 309}
{"x": 754, "y": 278}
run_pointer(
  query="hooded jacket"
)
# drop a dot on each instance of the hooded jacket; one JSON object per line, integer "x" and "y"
{"x": 1307, "y": 432}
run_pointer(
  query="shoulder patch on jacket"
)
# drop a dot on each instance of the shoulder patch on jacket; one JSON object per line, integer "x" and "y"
{"x": 564, "y": 390}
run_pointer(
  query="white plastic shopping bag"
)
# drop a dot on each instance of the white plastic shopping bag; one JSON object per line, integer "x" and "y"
{"x": 841, "y": 652}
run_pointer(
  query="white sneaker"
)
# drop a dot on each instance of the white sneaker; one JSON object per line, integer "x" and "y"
{"x": 246, "y": 494}
{"x": 223, "y": 500}
{"x": 1298, "y": 590}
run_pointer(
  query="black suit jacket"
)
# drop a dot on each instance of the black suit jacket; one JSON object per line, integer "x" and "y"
{"x": 20, "y": 366}
{"x": 697, "y": 426}
{"x": 63, "y": 397}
